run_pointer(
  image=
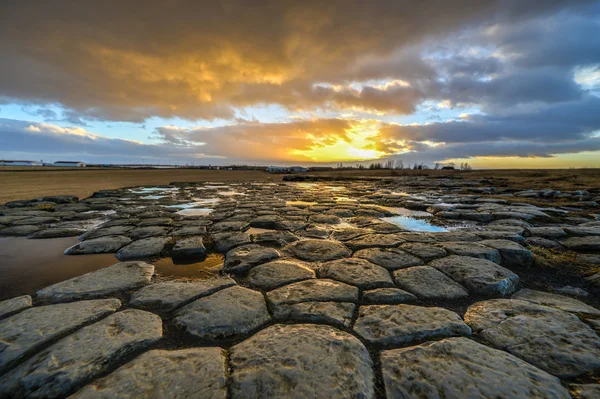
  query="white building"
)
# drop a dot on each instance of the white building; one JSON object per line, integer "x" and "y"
{"x": 76, "y": 164}
{"x": 286, "y": 169}
{"x": 19, "y": 163}
{"x": 298, "y": 169}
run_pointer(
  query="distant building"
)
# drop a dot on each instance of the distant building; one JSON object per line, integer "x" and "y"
{"x": 19, "y": 163}
{"x": 286, "y": 169}
{"x": 298, "y": 169}
{"x": 74, "y": 164}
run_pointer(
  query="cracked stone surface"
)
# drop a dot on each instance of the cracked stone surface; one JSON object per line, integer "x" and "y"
{"x": 243, "y": 258}
{"x": 14, "y": 305}
{"x": 316, "y": 290}
{"x": 337, "y": 314}
{"x": 100, "y": 245}
{"x": 318, "y": 250}
{"x": 424, "y": 251}
{"x": 358, "y": 272}
{"x": 429, "y": 283}
{"x": 381, "y": 296}
{"x": 143, "y": 248}
{"x": 511, "y": 253}
{"x": 274, "y": 274}
{"x": 390, "y": 258}
{"x": 472, "y": 249}
{"x": 556, "y": 301}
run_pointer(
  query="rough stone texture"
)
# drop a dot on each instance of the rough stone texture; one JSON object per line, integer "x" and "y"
{"x": 315, "y": 290}
{"x": 479, "y": 276}
{"x": 406, "y": 324}
{"x": 81, "y": 356}
{"x": 551, "y": 232}
{"x": 222, "y": 227}
{"x": 274, "y": 274}
{"x": 349, "y": 233}
{"x": 555, "y": 301}
{"x": 553, "y": 340}
{"x": 226, "y": 241}
{"x": 19, "y": 230}
{"x": 118, "y": 277}
{"x": 14, "y": 305}
{"x": 226, "y": 313}
{"x": 56, "y": 232}
{"x": 275, "y": 238}
{"x": 144, "y": 248}
{"x": 387, "y": 296}
{"x": 429, "y": 283}
{"x": 585, "y": 391}
{"x": 171, "y": 294}
{"x": 179, "y": 374}
{"x": 242, "y": 258}
{"x": 106, "y": 231}
{"x": 390, "y": 258}
{"x": 456, "y": 368}
{"x": 472, "y": 249}
{"x": 544, "y": 243}
{"x": 589, "y": 243}
{"x": 424, "y": 251}
{"x": 100, "y": 245}
{"x": 318, "y": 250}
{"x": 375, "y": 240}
{"x": 149, "y": 231}
{"x": 189, "y": 249}
{"x": 337, "y": 314}
{"x": 25, "y": 332}
{"x": 301, "y": 361}
{"x": 357, "y": 272}
{"x": 511, "y": 253}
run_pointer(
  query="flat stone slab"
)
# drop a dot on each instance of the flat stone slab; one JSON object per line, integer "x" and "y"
{"x": 73, "y": 361}
{"x": 472, "y": 249}
{"x": 358, "y": 272}
{"x": 390, "y": 258}
{"x": 318, "y": 250}
{"x": 429, "y": 283}
{"x": 375, "y": 241}
{"x": 511, "y": 253}
{"x": 230, "y": 312}
{"x": 589, "y": 243}
{"x": 390, "y": 296}
{"x": 149, "y": 231}
{"x": 314, "y": 290}
{"x": 241, "y": 259}
{"x": 226, "y": 241}
{"x": 102, "y": 245}
{"x": 56, "y": 232}
{"x": 337, "y": 314}
{"x": 274, "y": 274}
{"x": 479, "y": 276}
{"x": 424, "y": 251}
{"x": 551, "y": 232}
{"x": 144, "y": 248}
{"x": 115, "y": 278}
{"x": 14, "y": 305}
{"x": 24, "y": 333}
{"x": 189, "y": 249}
{"x": 405, "y": 324}
{"x": 553, "y": 340}
{"x": 462, "y": 368}
{"x": 178, "y": 374}
{"x": 275, "y": 238}
{"x": 301, "y": 361}
{"x": 555, "y": 301}
{"x": 585, "y": 391}
{"x": 105, "y": 231}
{"x": 172, "y": 294}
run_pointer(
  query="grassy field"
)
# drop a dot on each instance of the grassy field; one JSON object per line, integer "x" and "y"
{"x": 27, "y": 183}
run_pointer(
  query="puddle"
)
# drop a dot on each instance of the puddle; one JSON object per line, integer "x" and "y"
{"x": 206, "y": 201}
{"x": 194, "y": 212}
{"x": 146, "y": 190}
{"x": 208, "y": 268}
{"x": 407, "y": 212}
{"x": 30, "y": 265}
{"x": 345, "y": 199}
{"x": 211, "y": 187}
{"x": 300, "y": 203}
{"x": 154, "y": 197}
{"x": 229, "y": 193}
{"x": 413, "y": 224}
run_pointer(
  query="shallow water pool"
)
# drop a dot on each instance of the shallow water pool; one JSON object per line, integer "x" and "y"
{"x": 412, "y": 224}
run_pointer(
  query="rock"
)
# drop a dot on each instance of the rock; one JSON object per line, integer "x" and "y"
{"x": 227, "y": 313}
{"x": 582, "y": 230}
{"x": 573, "y": 291}
{"x": 555, "y": 301}
{"x": 189, "y": 249}
{"x": 100, "y": 245}
{"x": 357, "y": 272}
{"x": 338, "y": 314}
{"x": 454, "y": 236}
{"x": 511, "y": 253}
{"x": 349, "y": 233}
{"x": 26, "y": 332}
{"x": 544, "y": 243}
{"x": 187, "y": 231}
{"x": 148, "y": 231}
{"x": 390, "y": 258}
{"x": 275, "y": 238}
{"x": 594, "y": 259}
{"x": 265, "y": 222}
{"x": 424, "y": 251}
{"x": 324, "y": 219}
{"x": 316, "y": 231}
{"x": 594, "y": 279}
{"x": 241, "y": 259}
{"x": 585, "y": 391}
{"x": 115, "y": 278}
{"x": 19, "y": 231}
{"x": 80, "y": 357}
{"x": 274, "y": 274}
{"x": 226, "y": 241}
{"x": 317, "y": 250}
{"x": 35, "y": 221}
{"x": 588, "y": 243}
{"x": 551, "y": 232}
{"x": 14, "y": 305}
{"x": 553, "y": 340}
{"x": 375, "y": 240}
{"x": 406, "y": 324}
{"x": 301, "y": 361}
{"x": 472, "y": 249}
{"x": 144, "y": 248}
{"x": 314, "y": 290}
{"x": 462, "y": 368}
{"x": 185, "y": 373}
{"x": 171, "y": 294}
{"x": 387, "y": 296}
{"x": 57, "y": 232}
{"x": 155, "y": 221}
{"x": 429, "y": 283}
{"x": 103, "y": 232}
{"x": 234, "y": 226}
{"x": 479, "y": 276}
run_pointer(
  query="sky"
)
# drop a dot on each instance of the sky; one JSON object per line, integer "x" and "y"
{"x": 496, "y": 83}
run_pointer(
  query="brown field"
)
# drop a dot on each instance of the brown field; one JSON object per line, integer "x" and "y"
{"x": 28, "y": 183}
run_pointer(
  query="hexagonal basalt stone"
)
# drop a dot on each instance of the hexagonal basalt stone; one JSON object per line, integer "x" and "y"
{"x": 230, "y": 312}
{"x": 118, "y": 277}
{"x": 424, "y": 251}
{"x": 589, "y": 243}
{"x": 469, "y": 369}
{"x": 555, "y": 301}
{"x": 511, "y": 253}
{"x": 472, "y": 249}
{"x": 144, "y": 248}
{"x": 553, "y": 340}
{"x": 324, "y": 219}
{"x": 349, "y": 233}
{"x": 314, "y": 290}
{"x": 389, "y": 296}
{"x": 429, "y": 283}
{"x": 185, "y": 373}
{"x": 375, "y": 240}
{"x": 390, "y": 258}
{"x": 14, "y": 305}
{"x": 56, "y": 232}
{"x": 274, "y": 274}
{"x": 223, "y": 227}
{"x": 275, "y": 238}
{"x": 148, "y": 231}
{"x": 105, "y": 231}
{"x": 226, "y": 241}
{"x": 357, "y": 272}
{"x": 189, "y": 249}
{"x": 318, "y": 250}
{"x": 479, "y": 276}
{"x": 405, "y": 324}
{"x": 301, "y": 361}
{"x": 100, "y": 245}
{"x": 338, "y": 314}
{"x": 82, "y": 356}
{"x": 19, "y": 231}
{"x": 585, "y": 391}
{"x": 241, "y": 259}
